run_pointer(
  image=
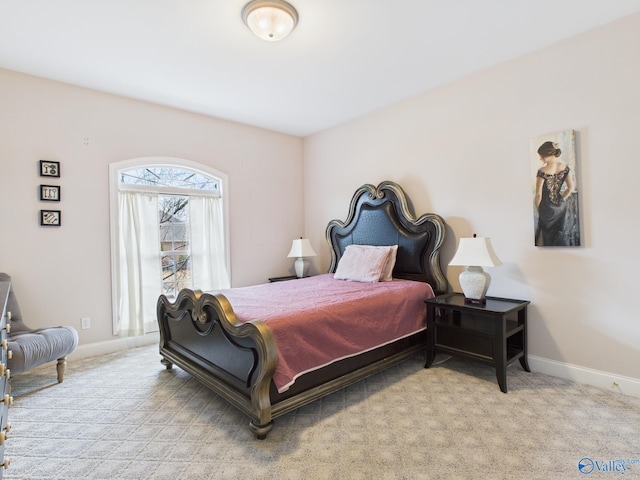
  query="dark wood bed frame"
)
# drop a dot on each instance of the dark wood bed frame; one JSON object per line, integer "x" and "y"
{"x": 199, "y": 331}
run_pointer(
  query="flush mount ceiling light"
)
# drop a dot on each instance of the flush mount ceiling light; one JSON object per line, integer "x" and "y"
{"x": 271, "y": 20}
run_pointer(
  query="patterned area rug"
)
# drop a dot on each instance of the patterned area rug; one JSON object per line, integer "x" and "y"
{"x": 123, "y": 416}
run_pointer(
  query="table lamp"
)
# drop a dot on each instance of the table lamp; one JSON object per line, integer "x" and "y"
{"x": 475, "y": 253}
{"x": 301, "y": 248}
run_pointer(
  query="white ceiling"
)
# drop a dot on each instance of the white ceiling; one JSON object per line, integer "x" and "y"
{"x": 344, "y": 59}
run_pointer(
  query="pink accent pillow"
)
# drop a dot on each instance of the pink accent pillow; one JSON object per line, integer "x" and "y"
{"x": 363, "y": 263}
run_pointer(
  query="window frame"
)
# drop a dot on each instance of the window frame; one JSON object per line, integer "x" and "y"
{"x": 164, "y": 162}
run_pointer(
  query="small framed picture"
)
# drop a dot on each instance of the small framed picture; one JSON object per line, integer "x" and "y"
{"x": 49, "y": 168}
{"x": 50, "y": 218}
{"x": 50, "y": 193}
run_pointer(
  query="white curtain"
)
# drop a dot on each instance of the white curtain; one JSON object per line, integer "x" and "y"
{"x": 140, "y": 264}
{"x": 208, "y": 259}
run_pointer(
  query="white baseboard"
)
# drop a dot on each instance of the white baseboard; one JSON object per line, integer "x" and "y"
{"x": 112, "y": 346}
{"x": 608, "y": 381}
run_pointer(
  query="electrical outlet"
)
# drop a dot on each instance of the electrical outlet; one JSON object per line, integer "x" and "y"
{"x": 86, "y": 322}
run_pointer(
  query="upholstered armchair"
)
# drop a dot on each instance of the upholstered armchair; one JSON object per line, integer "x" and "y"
{"x": 31, "y": 348}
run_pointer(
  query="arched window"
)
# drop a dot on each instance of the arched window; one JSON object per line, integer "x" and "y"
{"x": 169, "y": 231}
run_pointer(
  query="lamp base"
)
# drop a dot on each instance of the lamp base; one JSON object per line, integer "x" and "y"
{"x": 302, "y": 267}
{"x": 475, "y": 283}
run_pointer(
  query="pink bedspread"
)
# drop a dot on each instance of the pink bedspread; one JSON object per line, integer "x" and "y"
{"x": 318, "y": 320}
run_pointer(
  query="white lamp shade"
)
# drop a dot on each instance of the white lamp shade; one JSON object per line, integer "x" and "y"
{"x": 476, "y": 251}
{"x": 270, "y": 20}
{"x": 301, "y": 247}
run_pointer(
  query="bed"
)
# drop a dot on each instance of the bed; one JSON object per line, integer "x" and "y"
{"x": 228, "y": 345}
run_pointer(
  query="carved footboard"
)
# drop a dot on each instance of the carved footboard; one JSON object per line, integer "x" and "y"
{"x": 200, "y": 333}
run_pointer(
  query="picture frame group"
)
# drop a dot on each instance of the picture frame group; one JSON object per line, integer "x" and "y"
{"x": 49, "y": 193}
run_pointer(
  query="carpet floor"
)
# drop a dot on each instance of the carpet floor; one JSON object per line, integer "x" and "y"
{"x": 124, "y": 416}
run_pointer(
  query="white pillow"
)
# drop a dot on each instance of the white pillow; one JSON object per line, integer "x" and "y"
{"x": 387, "y": 271}
{"x": 362, "y": 264}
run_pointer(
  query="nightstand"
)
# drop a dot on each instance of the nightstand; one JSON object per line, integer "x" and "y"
{"x": 494, "y": 334}
{"x": 282, "y": 279}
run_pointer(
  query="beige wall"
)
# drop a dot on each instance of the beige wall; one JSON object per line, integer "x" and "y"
{"x": 63, "y": 274}
{"x": 462, "y": 151}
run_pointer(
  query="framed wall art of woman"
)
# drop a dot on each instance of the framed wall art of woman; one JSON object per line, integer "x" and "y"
{"x": 555, "y": 192}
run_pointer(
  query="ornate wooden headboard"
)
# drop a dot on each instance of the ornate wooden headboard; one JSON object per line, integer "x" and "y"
{"x": 382, "y": 215}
